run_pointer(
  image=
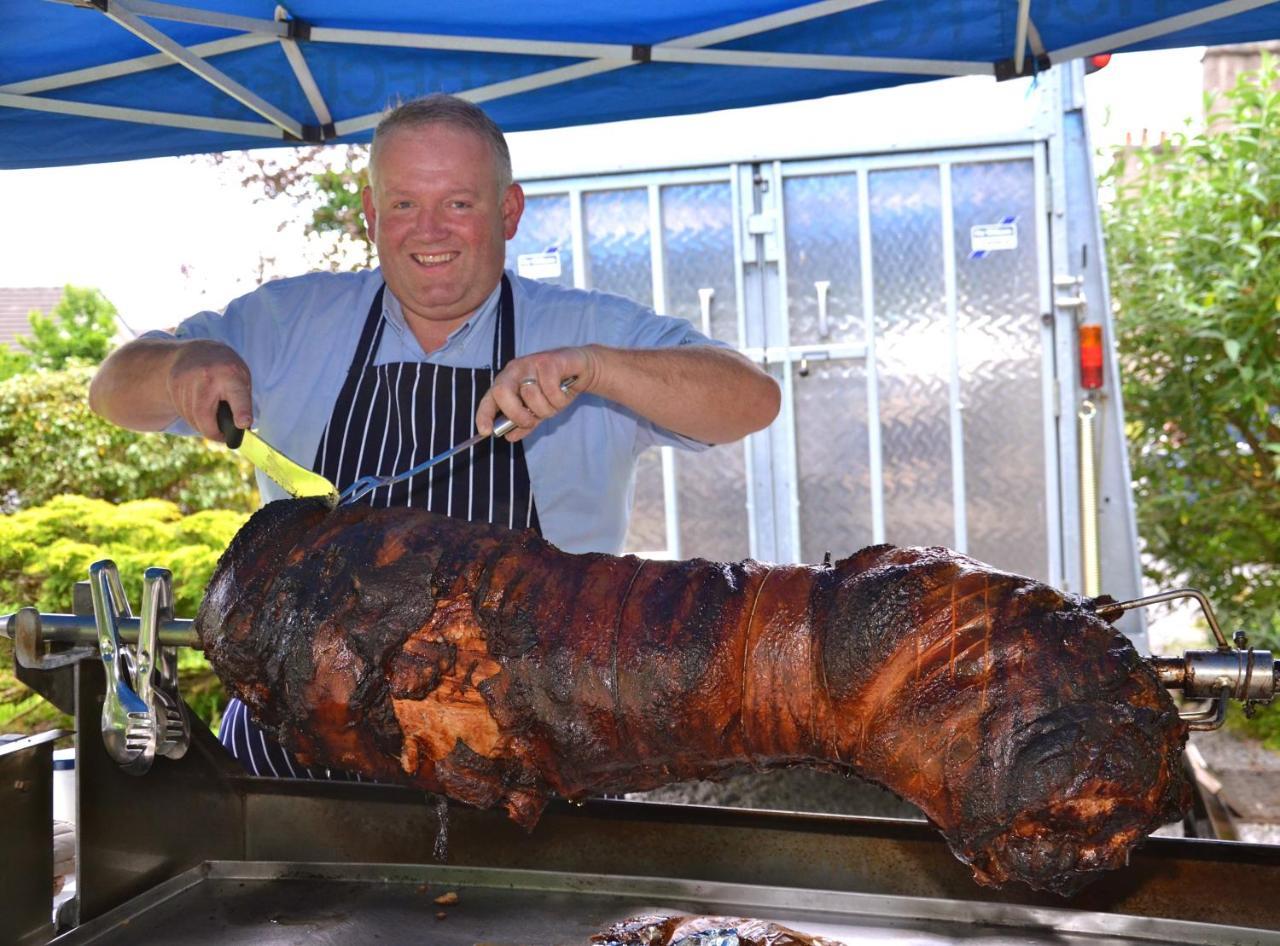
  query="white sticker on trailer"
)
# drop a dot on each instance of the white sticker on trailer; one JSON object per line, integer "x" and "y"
{"x": 539, "y": 265}
{"x": 989, "y": 237}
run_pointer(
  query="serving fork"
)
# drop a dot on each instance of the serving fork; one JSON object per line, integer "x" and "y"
{"x": 367, "y": 484}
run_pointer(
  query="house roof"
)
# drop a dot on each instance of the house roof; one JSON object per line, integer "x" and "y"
{"x": 16, "y": 306}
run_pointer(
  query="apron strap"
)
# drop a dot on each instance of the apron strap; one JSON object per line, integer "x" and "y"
{"x": 370, "y": 337}
{"x": 504, "y": 338}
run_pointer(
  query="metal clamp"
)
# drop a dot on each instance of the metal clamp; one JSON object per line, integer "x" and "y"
{"x": 1241, "y": 672}
{"x": 1069, "y": 282}
{"x": 34, "y": 651}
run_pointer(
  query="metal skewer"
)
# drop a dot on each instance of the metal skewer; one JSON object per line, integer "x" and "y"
{"x": 1241, "y": 672}
{"x": 30, "y": 625}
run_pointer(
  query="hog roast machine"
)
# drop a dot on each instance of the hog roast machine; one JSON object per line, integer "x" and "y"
{"x": 175, "y": 844}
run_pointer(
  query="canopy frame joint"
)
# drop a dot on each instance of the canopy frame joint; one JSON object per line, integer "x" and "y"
{"x": 1006, "y": 69}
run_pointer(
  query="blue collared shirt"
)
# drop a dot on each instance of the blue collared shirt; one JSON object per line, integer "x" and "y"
{"x": 298, "y": 336}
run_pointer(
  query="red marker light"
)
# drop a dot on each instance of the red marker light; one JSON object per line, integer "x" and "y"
{"x": 1094, "y": 63}
{"x": 1091, "y": 357}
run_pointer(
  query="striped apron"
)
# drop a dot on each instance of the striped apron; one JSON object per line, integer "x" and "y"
{"x": 388, "y": 418}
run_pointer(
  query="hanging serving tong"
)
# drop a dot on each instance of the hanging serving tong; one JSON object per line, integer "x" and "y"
{"x": 128, "y": 724}
{"x": 142, "y": 713}
{"x": 173, "y": 726}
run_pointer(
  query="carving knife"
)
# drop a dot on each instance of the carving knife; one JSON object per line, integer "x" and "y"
{"x": 296, "y": 480}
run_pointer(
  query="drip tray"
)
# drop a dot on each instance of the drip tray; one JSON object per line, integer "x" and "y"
{"x": 256, "y": 903}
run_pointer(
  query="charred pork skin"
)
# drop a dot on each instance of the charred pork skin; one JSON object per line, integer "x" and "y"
{"x": 491, "y": 667}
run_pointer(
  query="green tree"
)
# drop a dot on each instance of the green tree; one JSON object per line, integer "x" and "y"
{"x": 79, "y": 328}
{"x": 1193, "y": 236}
{"x": 13, "y": 361}
{"x": 339, "y": 210}
{"x": 51, "y": 443}
{"x": 324, "y": 183}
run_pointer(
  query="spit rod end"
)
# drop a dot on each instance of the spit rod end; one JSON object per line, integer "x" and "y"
{"x": 1109, "y": 611}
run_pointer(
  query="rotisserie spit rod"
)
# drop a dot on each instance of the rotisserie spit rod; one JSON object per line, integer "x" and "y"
{"x": 81, "y": 629}
{"x": 1238, "y": 673}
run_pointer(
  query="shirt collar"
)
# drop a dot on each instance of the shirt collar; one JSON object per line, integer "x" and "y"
{"x": 393, "y": 312}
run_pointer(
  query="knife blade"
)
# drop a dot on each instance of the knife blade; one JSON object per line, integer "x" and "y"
{"x": 296, "y": 480}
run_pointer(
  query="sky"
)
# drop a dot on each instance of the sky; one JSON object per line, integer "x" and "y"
{"x": 167, "y": 237}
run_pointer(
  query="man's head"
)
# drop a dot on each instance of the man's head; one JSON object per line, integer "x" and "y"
{"x": 445, "y": 110}
{"x": 440, "y": 208}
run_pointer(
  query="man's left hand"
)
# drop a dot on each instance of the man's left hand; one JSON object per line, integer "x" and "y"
{"x": 528, "y": 389}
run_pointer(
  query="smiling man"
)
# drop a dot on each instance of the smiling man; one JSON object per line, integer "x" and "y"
{"x": 374, "y": 372}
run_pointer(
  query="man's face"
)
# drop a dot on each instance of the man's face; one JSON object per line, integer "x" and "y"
{"x": 439, "y": 222}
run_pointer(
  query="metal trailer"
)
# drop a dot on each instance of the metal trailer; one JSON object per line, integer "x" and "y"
{"x": 920, "y": 308}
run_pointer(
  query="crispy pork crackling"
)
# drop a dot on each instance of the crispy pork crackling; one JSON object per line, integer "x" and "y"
{"x": 491, "y": 667}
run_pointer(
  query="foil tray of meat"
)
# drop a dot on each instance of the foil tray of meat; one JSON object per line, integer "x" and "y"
{"x": 662, "y": 930}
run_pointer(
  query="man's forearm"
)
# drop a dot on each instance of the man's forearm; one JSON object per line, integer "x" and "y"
{"x": 131, "y": 388}
{"x": 151, "y": 382}
{"x": 709, "y": 394}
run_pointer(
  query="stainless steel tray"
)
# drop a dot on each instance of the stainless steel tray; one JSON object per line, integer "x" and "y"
{"x": 268, "y": 903}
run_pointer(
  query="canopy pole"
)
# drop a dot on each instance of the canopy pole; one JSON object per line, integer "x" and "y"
{"x": 1172, "y": 24}
{"x": 123, "y": 15}
{"x": 129, "y": 67}
{"x": 497, "y": 90}
{"x": 1020, "y": 35}
{"x": 140, "y": 116}
{"x": 229, "y": 21}
{"x": 302, "y": 72}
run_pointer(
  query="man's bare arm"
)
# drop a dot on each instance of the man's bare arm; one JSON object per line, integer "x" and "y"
{"x": 709, "y": 394}
{"x": 150, "y": 382}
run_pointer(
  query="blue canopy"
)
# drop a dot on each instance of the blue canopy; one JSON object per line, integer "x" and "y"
{"x": 111, "y": 80}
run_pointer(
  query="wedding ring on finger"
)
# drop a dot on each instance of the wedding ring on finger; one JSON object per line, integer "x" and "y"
{"x": 528, "y": 381}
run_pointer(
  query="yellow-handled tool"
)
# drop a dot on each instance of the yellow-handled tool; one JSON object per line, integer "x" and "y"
{"x": 296, "y": 480}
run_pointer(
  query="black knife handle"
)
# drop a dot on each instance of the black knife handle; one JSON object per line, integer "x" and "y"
{"x": 232, "y": 434}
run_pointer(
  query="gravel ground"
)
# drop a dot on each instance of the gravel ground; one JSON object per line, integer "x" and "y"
{"x": 1236, "y": 760}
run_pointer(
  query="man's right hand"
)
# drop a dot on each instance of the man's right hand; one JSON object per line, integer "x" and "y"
{"x": 151, "y": 382}
{"x": 203, "y": 373}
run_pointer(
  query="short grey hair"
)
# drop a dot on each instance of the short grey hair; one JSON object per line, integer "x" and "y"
{"x": 441, "y": 109}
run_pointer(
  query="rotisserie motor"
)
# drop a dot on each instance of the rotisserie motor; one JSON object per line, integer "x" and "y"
{"x": 491, "y": 667}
